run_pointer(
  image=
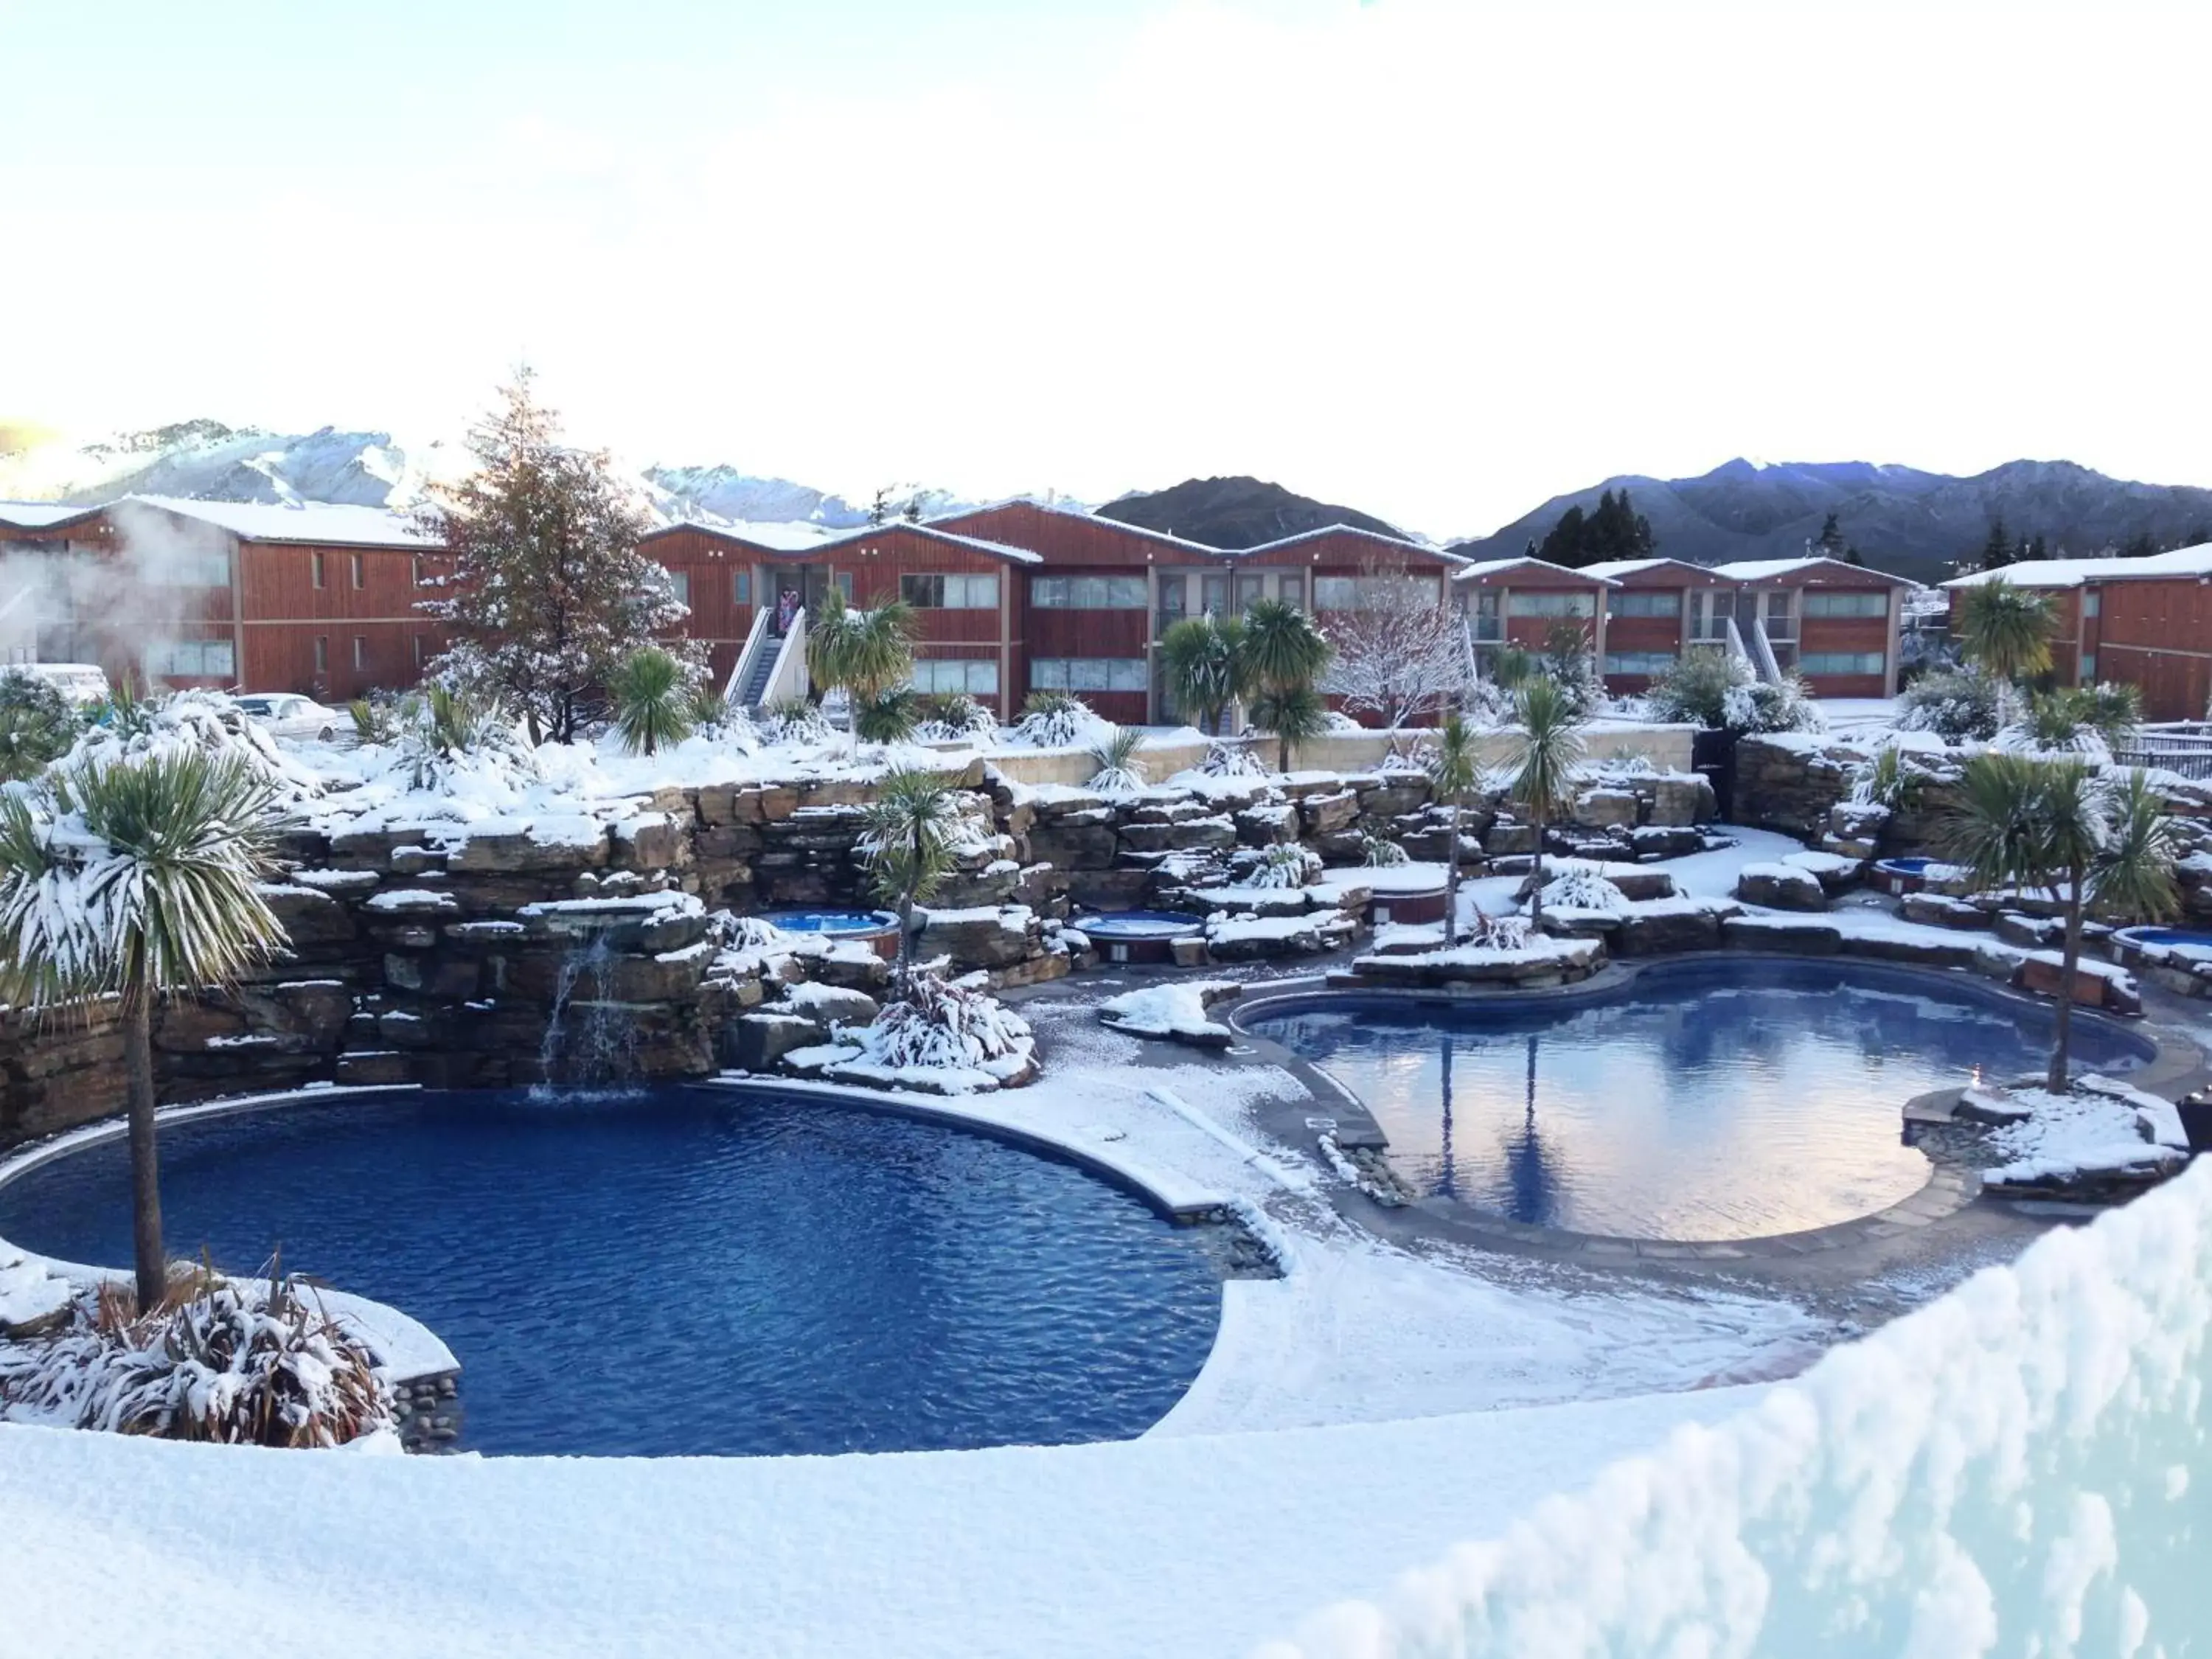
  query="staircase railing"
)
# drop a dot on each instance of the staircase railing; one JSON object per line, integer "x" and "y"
{"x": 741, "y": 676}
{"x": 1762, "y": 649}
{"x": 788, "y": 678}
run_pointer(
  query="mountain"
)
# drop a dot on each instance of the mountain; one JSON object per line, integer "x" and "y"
{"x": 1234, "y": 512}
{"x": 1902, "y": 520}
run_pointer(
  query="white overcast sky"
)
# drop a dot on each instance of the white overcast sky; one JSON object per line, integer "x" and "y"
{"x": 1435, "y": 261}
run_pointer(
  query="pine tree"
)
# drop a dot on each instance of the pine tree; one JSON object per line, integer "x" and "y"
{"x": 1851, "y": 556}
{"x": 1997, "y": 549}
{"x": 1830, "y": 542}
{"x": 548, "y": 593}
{"x": 1563, "y": 545}
{"x": 2038, "y": 548}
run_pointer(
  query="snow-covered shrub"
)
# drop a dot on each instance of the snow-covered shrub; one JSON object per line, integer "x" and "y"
{"x": 1498, "y": 933}
{"x": 1338, "y": 722}
{"x": 934, "y": 1026}
{"x": 253, "y": 1362}
{"x": 37, "y": 725}
{"x": 1380, "y": 852}
{"x": 1959, "y": 706}
{"x": 445, "y": 734}
{"x": 1759, "y": 706}
{"x": 1285, "y": 864}
{"x": 796, "y": 721}
{"x": 1578, "y": 888}
{"x": 953, "y": 717}
{"x": 1231, "y": 760}
{"x": 1715, "y": 690}
{"x": 2086, "y": 720}
{"x": 1120, "y": 772}
{"x": 1887, "y": 780}
{"x": 736, "y": 933}
{"x": 1056, "y": 720}
{"x": 211, "y": 721}
{"x": 720, "y": 721}
{"x": 892, "y": 715}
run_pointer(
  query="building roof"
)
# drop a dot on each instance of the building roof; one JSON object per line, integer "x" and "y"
{"x": 994, "y": 549}
{"x": 1069, "y": 511}
{"x": 2180, "y": 564}
{"x": 791, "y": 537}
{"x": 1495, "y": 566}
{"x": 1767, "y": 570}
{"x": 41, "y": 515}
{"x": 1397, "y": 542}
{"x": 1620, "y": 569}
{"x": 318, "y": 522}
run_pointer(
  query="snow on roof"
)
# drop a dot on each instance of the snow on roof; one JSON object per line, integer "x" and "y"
{"x": 996, "y": 549}
{"x": 38, "y": 515}
{"x": 314, "y": 521}
{"x": 1493, "y": 567}
{"x": 1070, "y": 510}
{"x": 1762, "y": 570}
{"x": 2179, "y": 563}
{"x": 1281, "y": 542}
{"x": 787, "y": 536}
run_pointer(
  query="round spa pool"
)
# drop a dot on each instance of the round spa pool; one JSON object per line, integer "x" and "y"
{"x": 688, "y": 1270}
{"x": 1706, "y": 1101}
{"x": 877, "y": 928}
{"x": 1140, "y": 935}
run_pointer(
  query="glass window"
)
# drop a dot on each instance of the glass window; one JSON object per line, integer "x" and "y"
{"x": 1213, "y": 594}
{"x": 1087, "y": 673}
{"x": 1875, "y": 604}
{"x": 416, "y": 641}
{"x": 1249, "y": 591}
{"x": 192, "y": 567}
{"x": 322, "y": 653}
{"x": 315, "y": 567}
{"x": 2088, "y": 674}
{"x": 1842, "y": 662}
{"x": 2092, "y": 601}
{"x": 939, "y": 593}
{"x": 1523, "y": 603}
{"x": 679, "y": 583}
{"x": 415, "y": 570}
{"x": 1336, "y": 593}
{"x": 360, "y": 651}
{"x": 1291, "y": 589}
{"x": 1644, "y": 602}
{"x": 741, "y": 586}
{"x": 1638, "y": 662}
{"x": 845, "y": 585}
{"x": 977, "y": 677}
{"x": 181, "y": 659}
{"x": 354, "y": 568}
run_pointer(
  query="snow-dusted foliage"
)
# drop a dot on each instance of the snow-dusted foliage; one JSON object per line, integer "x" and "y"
{"x": 1959, "y": 706}
{"x": 2016, "y": 1468}
{"x": 209, "y": 721}
{"x": 1400, "y": 655}
{"x": 1287, "y": 864}
{"x": 2085, "y": 721}
{"x": 1893, "y": 777}
{"x": 1231, "y": 760}
{"x": 256, "y": 1362}
{"x": 1716, "y": 691}
{"x": 1488, "y": 933}
{"x": 445, "y": 738}
{"x": 934, "y": 1026}
{"x": 1120, "y": 772}
{"x": 1380, "y": 852}
{"x": 1775, "y": 706}
{"x": 796, "y": 721}
{"x": 1055, "y": 720}
{"x": 955, "y": 717}
{"x": 1579, "y": 888}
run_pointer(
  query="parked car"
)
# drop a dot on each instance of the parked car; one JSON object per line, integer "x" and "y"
{"x": 287, "y": 714}
{"x": 82, "y": 683}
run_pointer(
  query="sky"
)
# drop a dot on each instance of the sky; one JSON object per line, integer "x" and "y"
{"x": 1435, "y": 261}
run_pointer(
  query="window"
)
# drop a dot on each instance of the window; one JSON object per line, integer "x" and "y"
{"x": 950, "y": 593}
{"x": 2088, "y": 674}
{"x": 360, "y": 651}
{"x": 315, "y": 568}
{"x": 415, "y": 570}
{"x": 190, "y": 567}
{"x": 1644, "y": 602}
{"x": 1088, "y": 592}
{"x": 1842, "y": 662}
{"x": 1550, "y": 605}
{"x": 1213, "y": 594}
{"x": 977, "y": 678}
{"x": 1291, "y": 589}
{"x": 1250, "y": 590}
{"x": 741, "y": 586}
{"x": 1847, "y": 605}
{"x": 1087, "y": 674}
{"x": 414, "y": 642}
{"x": 1370, "y": 593}
{"x": 354, "y": 570}
{"x": 1638, "y": 662}
{"x": 322, "y": 653}
{"x": 679, "y": 583}
{"x": 845, "y": 585}
{"x": 180, "y": 658}
{"x": 2092, "y": 601}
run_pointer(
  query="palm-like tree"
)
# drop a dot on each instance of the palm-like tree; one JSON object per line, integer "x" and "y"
{"x": 138, "y": 879}
{"x": 1453, "y": 772}
{"x": 1207, "y": 668}
{"x": 652, "y": 704}
{"x": 2094, "y": 843}
{"x": 1549, "y": 729}
{"x": 2005, "y": 631}
{"x": 910, "y": 839}
{"x": 1284, "y": 654}
{"x": 865, "y": 653}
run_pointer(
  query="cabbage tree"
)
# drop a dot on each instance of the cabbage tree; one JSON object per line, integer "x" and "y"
{"x": 1284, "y": 654}
{"x": 2005, "y": 631}
{"x": 910, "y": 836}
{"x": 137, "y": 877}
{"x": 1547, "y": 726}
{"x": 1206, "y": 666}
{"x": 864, "y": 653}
{"x": 1452, "y": 774}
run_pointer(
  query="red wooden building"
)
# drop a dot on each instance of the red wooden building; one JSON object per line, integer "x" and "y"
{"x": 1527, "y": 603}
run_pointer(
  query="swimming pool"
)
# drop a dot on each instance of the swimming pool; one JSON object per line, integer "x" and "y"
{"x": 692, "y": 1270}
{"x": 1707, "y": 1101}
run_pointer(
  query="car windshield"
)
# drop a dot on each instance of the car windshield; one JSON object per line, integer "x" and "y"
{"x": 257, "y": 704}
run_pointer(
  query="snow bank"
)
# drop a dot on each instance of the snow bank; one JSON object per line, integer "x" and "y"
{"x": 2015, "y": 1469}
{"x": 1175, "y": 1010}
{"x": 2101, "y": 1128}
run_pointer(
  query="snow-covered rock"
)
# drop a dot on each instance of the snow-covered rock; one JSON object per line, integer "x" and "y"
{"x": 1177, "y": 1012}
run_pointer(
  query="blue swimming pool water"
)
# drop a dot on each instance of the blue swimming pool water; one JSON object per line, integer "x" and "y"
{"x": 1708, "y": 1102}
{"x": 691, "y": 1273}
{"x": 2185, "y": 936}
{"x": 833, "y": 921}
{"x": 1143, "y": 924}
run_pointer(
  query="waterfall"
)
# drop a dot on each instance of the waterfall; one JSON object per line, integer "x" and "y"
{"x": 598, "y": 1046}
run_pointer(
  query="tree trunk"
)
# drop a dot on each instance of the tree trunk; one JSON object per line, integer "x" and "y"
{"x": 1283, "y": 755}
{"x": 1536, "y": 869}
{"x": 153, "y": 1265}
{"x": 906, "y": 941}
{"x": 2068, "y": 964}
{"x": 1451, "y": 880}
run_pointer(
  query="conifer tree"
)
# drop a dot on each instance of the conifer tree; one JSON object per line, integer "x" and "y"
{"x": 1830, "y": 542}
{"x": 1998, "y": 549}
{"x": 547, "y": 593}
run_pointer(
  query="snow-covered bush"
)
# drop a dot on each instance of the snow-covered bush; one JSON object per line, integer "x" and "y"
{"x": 1120, "y": 772}
{"x": 1287, "y": 864}
{"x": 1337, "y": 721}
{"x": 1497, "y": 933}
{"x": 796, "y": 721}
{"x": 1715, "y": 690}
{"x": 1380, "y": 852}
{"x": 1781, "y": 705}
{"x": 1578, "y": 888}
{"x": 1231, "y": 760}
{"x": 445, "y": 735}
{"x": 891, "y": 715}
{"x": 1960, "y": 706}
{"x": 935, "y": 1025}
{"x": 37, "y": 725}
{"x": 251, "y": 1363}
{"x": 2086, "y": 720}
{"x": 211, "y": 721}
{"x": 954, "y": 717}
{"x": 1887, "y": 780}
{"x": 1056, "y": 720}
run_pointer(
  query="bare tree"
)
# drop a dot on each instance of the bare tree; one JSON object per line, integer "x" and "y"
{"x": 1402, "y": 653}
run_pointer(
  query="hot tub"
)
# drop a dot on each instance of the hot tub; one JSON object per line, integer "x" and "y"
{"x": 1898, "y": 876}
{"x": 2179, "y": 958}
{"x": 878, "y": 929}
{"x": 1141, "y": 936}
